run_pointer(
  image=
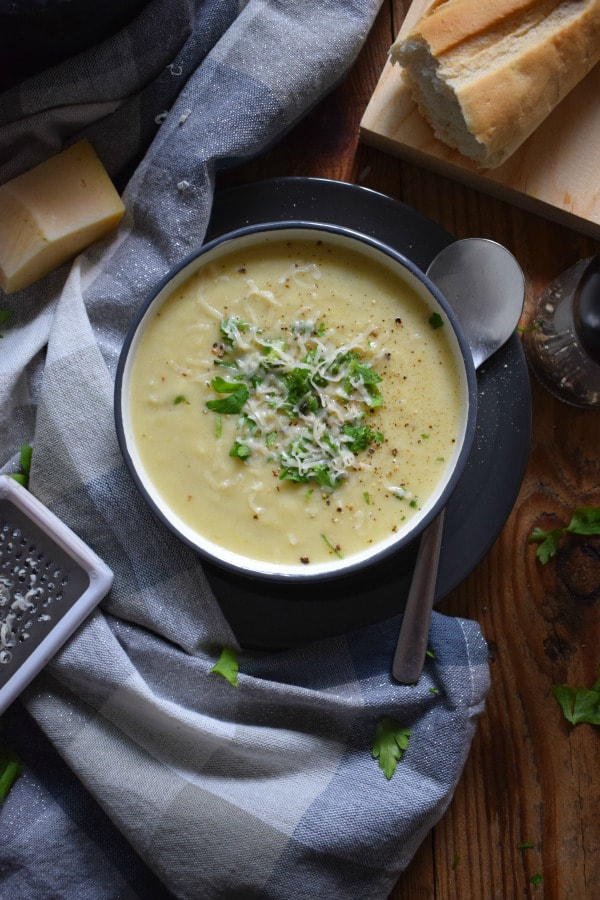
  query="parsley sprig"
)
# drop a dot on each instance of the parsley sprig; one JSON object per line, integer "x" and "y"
{"x": 389, "y": 744}
{"x": 227, "y": 666}
{"x": 237, "y": 394}
{"x": 10, "y": 769}
{"x": 585, "y": 520}
{"x": 579, "y": 704}
{"x": 22, "y": 476}
{"x": 5, "y": 317}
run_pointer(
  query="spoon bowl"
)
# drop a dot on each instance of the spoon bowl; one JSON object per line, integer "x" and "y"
{"x": 485, "y": 286}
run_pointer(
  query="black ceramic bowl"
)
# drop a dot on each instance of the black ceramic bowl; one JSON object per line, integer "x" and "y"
{"x": 407, "y": 531}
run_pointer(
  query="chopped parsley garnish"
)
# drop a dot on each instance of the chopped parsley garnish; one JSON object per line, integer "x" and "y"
{"x": 240, "y": 450}
{"x": 180, "y": 398}
{"x": 237, "y": 392}
{"x": 536, "y": 879}
{"x": 579, "y": 704}
{"x": 585, "y": 520}
{"x": 361, "y": 436}
{"x": 231, "y": 328}
{"x": 435, "y": 320}
{"x": 227, "y": 666}
{"x": 525, "y": 845}
{"x": 389, "y": 744}
{"x": 303, "y": 400}
{"x": 333, "y": 549}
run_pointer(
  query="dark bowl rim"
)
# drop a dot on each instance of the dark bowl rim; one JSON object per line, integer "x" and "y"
{"x": 303, "y": 576}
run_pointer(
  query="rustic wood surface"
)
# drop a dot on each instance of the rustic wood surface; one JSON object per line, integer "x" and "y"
{"x": 530, "y": 776}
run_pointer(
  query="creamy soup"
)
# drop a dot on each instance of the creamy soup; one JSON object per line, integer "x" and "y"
{"x": 295, "y": 402}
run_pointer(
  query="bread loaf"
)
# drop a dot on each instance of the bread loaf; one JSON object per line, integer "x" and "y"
{"x": 486, "y": 73}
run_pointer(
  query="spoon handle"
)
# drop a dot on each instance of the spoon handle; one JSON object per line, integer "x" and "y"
{"x": 409, "y": 657}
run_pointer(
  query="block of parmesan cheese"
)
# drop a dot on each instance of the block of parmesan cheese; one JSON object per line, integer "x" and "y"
{"x": 52, "y": 212}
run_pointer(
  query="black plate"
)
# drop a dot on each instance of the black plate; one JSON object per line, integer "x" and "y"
{"x": 272, "y": 616}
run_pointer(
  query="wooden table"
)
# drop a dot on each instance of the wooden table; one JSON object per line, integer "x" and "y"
{"x": 530, "y": 776}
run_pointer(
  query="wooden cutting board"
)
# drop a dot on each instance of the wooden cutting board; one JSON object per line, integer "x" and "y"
{"x": 555, "y": 173}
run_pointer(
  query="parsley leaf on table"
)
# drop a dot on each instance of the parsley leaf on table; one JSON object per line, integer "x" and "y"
{"x": 548, "y": 541}
{"x": 5, "y": 317}
{"x": 227, "y": 665}
{"x": 579, "y": 704}
{"x": 25, "y": 465}
{"x": 389, "y": 744}
{"x": 585, "y": 520}
{"x": 25, "y": 457}
{"x": 10, "y": 769}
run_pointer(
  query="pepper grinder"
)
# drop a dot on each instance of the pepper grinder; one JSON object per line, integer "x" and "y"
{"x": 563, "y": 346}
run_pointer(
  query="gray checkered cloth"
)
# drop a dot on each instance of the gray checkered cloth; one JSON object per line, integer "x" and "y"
{"x": 144, "y": 774}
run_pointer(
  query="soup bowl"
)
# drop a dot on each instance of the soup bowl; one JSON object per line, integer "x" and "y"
{"x": 295, "y": 401}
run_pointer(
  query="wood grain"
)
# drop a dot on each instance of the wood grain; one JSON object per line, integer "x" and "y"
{"x": 552, "y": 173}
{"x": 530, "y": 776}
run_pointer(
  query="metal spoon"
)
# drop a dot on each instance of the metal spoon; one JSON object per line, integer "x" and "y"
{"x": 485, "y": 286}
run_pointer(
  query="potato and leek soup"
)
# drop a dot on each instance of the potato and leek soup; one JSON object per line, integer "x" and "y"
{"x": 295, "y": 401}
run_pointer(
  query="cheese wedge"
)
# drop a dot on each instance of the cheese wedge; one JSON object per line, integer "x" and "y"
{"x": 52, "y": 212}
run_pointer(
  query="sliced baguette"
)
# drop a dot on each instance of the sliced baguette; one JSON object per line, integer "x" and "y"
{"x": 486, "y": 73}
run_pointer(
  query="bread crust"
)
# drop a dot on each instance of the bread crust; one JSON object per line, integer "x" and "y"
{"x": 504, "y": 65}
{"x": 449, "y": 23}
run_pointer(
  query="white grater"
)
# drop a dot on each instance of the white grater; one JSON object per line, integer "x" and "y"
{"x": 50, "y": 581}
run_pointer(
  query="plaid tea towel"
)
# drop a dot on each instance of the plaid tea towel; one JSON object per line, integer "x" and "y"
{"x": 144, "y": 774}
